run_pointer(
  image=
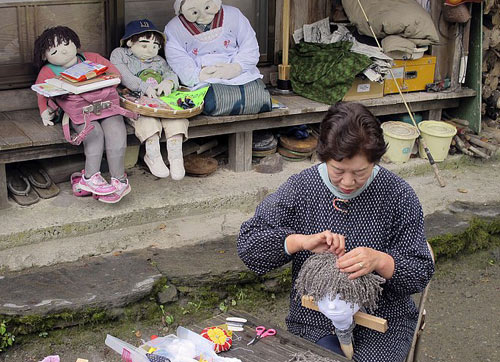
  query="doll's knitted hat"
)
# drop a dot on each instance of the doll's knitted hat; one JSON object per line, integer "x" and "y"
{"x": 137, "y": 27}
{"x": 178, "y": 4}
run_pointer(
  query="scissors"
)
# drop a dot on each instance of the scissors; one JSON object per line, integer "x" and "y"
{"x": 261, "y": 333}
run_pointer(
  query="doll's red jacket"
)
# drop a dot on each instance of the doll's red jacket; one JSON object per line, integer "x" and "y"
{"x": 46, "y": 73}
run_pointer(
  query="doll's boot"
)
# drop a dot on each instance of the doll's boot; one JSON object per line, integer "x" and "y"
{"x": 153, "y": 158}
{"x": 122, "y": 189}
{"x": 174, "y": 149}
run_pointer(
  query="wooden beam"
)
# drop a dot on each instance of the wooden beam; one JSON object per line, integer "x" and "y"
{"x": 361, "y": 318}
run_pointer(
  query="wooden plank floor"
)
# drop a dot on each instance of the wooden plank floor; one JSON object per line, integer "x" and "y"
{"x": 20, "y": 129}
{"x": 279, "y": 348}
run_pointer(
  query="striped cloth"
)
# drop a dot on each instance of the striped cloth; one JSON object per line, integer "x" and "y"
{"x": 229, "y": 100}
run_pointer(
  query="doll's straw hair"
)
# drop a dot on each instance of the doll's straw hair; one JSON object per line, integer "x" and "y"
{"x": 319, "y": 277}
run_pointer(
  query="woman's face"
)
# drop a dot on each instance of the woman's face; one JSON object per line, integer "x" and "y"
{"x": 63, "y": 54}
{"x": 200, "y": 11}
{"x": 350, "y": 174}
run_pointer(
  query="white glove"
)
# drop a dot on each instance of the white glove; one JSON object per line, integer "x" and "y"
{"x": 207, "y": 73}
{"x": 221, "y": 71}
{"x": 338, "y": 311}
{"x": 150, "y": 92}
{"x": 47, "y": 116}
{"x": 164, "y": 87}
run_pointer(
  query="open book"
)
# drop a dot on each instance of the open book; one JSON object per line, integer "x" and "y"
{"x": 83, "y": 71}
{"x": 102, "y": 81}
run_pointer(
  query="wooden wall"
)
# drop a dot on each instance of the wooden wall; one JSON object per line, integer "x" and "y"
{"x": 21, "y": 22}
{"x": 301, "y": 12}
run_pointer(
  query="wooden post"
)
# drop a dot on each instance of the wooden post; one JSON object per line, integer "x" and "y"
{"x": 284, "y": 68}
{"x": 240, "y": 151}
{"x": 4, "y": 203}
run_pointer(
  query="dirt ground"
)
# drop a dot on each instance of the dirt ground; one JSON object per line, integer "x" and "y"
{"x": 463, "y": 315}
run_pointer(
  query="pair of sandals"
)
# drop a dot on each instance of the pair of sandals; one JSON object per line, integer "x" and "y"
{"x": 27, "y": 183}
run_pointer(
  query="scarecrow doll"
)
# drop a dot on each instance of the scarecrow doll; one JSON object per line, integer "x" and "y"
{"x": 56, "y": 49}
{"x": 339, "y": 297}
{"x": 144, "y": 71}
{"x": 208, "y": 42}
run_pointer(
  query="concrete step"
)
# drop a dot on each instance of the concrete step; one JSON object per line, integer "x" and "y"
{"x": 151, "y": 200}
{"x": 166, "y": 234}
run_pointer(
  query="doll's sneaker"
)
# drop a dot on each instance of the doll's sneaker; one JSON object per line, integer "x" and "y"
{"x": 96, "y": 184}
{"x": 177, "y": 171}
{"x": 122, "y": 189}
{"x": 75, "y": 180}
{"x": 157, "y": 166}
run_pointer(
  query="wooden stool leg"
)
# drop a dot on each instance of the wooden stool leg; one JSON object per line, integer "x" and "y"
{"x": 240, "y": 151}
{"x": 3, "y": 188}
{"x": 348, "y": 350}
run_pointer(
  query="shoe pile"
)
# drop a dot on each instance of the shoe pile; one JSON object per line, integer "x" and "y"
{"x": 293, "y": 149}
{"x": 264, "y": 143}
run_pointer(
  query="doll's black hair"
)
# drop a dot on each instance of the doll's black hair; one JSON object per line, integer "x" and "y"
{"x": 148, "y": 34}
{"x": 47, "y": 40}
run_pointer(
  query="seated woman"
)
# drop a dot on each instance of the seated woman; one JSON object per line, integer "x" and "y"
{"x": 365, "y": 214}
{"x": 215, "y": 44}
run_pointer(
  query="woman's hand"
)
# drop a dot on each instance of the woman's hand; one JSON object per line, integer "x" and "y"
{"x": 317, "y": 243}
{"x": 362, "y": 261}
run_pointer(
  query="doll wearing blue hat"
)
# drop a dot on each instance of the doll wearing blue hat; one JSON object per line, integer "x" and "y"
{"x": 144, "y": 71}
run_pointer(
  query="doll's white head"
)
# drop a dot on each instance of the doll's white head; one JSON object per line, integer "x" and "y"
{"x": 62, "y": 53}
{"x": 198, "y": 11}
{"x": 146, "y": 47}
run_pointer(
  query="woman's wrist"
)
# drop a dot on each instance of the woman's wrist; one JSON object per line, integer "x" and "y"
{"x": 294, "y": 243}
{"x": 385, "y": 265}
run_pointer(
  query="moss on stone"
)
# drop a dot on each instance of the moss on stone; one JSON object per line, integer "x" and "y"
{"x": 480, "y": 234}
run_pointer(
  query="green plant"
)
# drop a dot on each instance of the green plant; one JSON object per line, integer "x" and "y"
{"x": 223, "y": 307}
{"x": 167, "y": 318}
{"x": 6, "y": 338}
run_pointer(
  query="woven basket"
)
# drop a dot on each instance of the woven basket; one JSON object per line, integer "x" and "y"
{"x": 160, "y": 112}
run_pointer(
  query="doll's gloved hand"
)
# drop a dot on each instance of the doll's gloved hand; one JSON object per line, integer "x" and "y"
{"x": 165, "y": 87}
{"x": 228, "y": 70}
{"x": 221, "y": 71}
{"x": 47, "y": 116}
{"x": 151, "y": 92}
{"x": 338, "y": 311}
{"x": 207, "y": 73}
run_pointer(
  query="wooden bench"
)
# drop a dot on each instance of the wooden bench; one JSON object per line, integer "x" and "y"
{"x": 23, "y": 136}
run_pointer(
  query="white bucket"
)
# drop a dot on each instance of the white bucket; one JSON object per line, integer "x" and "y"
{"x": 400, "y": 138}
{"x": 437, "y": 136}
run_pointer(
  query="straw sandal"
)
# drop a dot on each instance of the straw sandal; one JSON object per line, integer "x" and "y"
{"x": 39, "y": 180}
{"x": 20, "y": 189}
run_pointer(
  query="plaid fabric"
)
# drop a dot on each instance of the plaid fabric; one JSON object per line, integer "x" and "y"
{"x": 229, "y": 100}
{"x": 155, "y": 358}
{"x": 325, "y": 72}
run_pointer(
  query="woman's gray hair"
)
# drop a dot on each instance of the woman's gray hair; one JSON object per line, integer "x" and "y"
{"x": 320, "y": 277}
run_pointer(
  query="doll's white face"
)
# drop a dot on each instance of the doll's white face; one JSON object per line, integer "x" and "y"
{"x": 62, "y": 54}
{"x": 200, "y": 11}
{"x": 145, "y": 48}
